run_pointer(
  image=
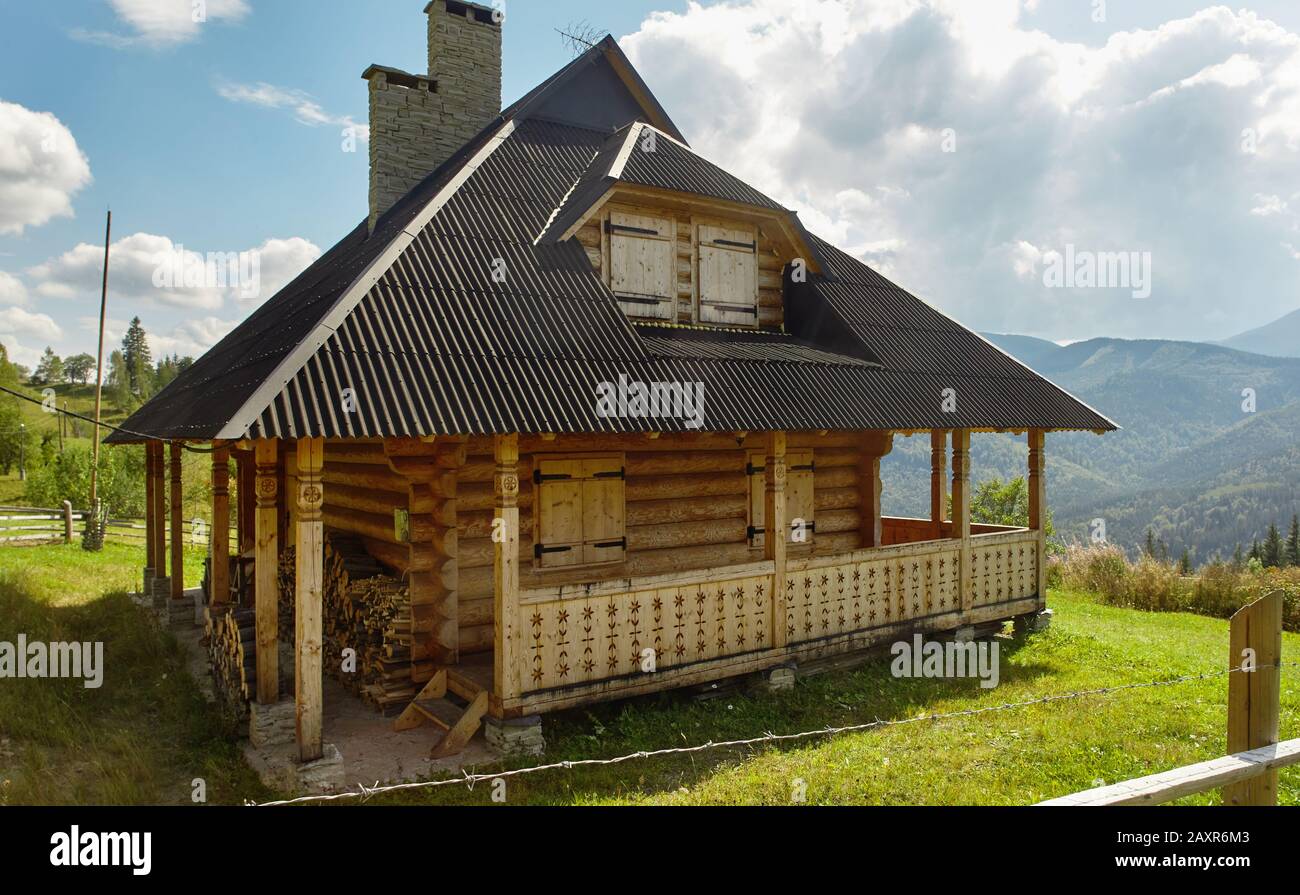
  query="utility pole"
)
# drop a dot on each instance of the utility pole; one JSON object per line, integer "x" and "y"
{"x": 99, "y": 370}
{"x": 22, "y": 452}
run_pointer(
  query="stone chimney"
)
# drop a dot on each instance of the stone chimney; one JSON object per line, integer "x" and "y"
{"x": 417, "y": 122}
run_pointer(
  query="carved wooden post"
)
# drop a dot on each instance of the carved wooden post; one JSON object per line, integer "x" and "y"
{"x": 220, "y": 579}
{"x": 776, "y": 533}
{"x": 938, "y": 480}
{"x": 961, "y": 509}
{"x": 309, "y": 576}
{"x": 159, "y": 509}
{"x": 505, "y": 571}
{"x": 1038, "y": 506}
{"x": 266, "y": 567}
{"x": 178, "y": 527}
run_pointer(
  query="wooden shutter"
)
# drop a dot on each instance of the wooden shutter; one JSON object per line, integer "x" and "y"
{"x": 800, "y": 502}
{"x": 757, "y": 473}
{"x": 643, "y": 264}
{"x": 728, "y": 275}
{"x": 581, "y": 515}
{"x": 559, "y": 505}
{"x": 604, "y": 535}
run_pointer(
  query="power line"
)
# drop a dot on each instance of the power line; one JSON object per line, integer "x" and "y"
{"x": 368, "y": 792}
{"x": 86, "y": 419}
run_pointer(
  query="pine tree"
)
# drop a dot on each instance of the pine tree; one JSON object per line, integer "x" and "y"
{"x": 1185, "y": 563}
{"x": 139, "y": 363}
{"x": 1273, "y": 549}
{"x": 1256, "y": 552}
{"x": 1151, "y": 544}
{"x": 1293, "y": 542}
{"x": 50, "y": 370}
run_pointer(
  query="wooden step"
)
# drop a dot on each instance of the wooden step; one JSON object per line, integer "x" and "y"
{"x": 440, "y": 712}
{"x": 462, "y": 685}
{"x": 459, "y": 736}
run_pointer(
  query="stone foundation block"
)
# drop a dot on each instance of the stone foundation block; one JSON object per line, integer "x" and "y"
{"x": 1035, "y": 623}
{"x": 779, "y": 680}
{"x": 272, "y": 725}
{"x": 965, "y": 635}
{"x": 516, "y": 736}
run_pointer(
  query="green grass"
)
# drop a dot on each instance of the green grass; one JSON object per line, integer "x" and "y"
{"x": 145, "y": 735}
{"x": 1019, "y": 756}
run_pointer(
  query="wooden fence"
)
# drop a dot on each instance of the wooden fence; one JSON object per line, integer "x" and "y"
{"x": 32, "y": 526}
{"x": 1249, "y": 775}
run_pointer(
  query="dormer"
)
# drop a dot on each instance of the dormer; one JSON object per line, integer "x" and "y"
{"x": 677, "y": 239}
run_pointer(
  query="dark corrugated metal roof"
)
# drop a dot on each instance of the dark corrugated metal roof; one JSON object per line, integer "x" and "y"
{"x": 439, "y": 345}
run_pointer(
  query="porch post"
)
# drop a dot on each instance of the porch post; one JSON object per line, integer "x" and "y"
{"x": 266, "y": 567}
{"x": 1038, "y": 505}
{"x": 776, "y": 533}
{"x": 961, "y": 508}
{"x": 505, "y": 571}
{"x": 308, "y": 595}
{"x": 938, "y": 483}
{"x": 877, "y": 446}
{"x": 150, "y": 545}
{"x": 178, "y": 526}
{"x": 159, "y": 510}
{"x": 220, "y": 579}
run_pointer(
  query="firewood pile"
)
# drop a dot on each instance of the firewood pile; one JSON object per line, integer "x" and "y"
{"x": 232, "y": 650}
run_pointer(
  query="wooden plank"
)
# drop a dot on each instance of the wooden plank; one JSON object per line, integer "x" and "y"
{"x": 961, "y": 510}
{"x": 266, "y": 584}
{"x": 1038, "y": 505}
{"x": 309, "y": 592}
{"x": 178, "y": 525}
{"x": 159, "y": 532}
{"x": 1230, "y": 771}
{"x": 938, "y": 481}
{"x": 1254, "y": 692}
{"x": 776, "y": 529}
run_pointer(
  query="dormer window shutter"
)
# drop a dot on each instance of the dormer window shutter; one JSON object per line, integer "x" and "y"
{"x": 643, "y": 264}
{"x": 728, "y": 275}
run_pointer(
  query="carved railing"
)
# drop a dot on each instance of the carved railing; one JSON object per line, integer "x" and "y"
{"x": 587, "y": 634}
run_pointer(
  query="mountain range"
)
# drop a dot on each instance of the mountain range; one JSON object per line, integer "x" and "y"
{"x": 1206, "y": 458}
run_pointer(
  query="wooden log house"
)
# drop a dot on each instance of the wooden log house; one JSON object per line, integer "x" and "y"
{"x": 615, "y": 417}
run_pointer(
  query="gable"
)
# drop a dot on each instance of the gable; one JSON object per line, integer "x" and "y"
{"x": 596, "y": 99}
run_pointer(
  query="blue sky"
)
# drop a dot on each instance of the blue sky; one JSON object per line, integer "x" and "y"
{"x": 1023, "y": 85}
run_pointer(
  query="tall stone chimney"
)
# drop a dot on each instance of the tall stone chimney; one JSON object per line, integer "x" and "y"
{"x": 417, "y": 122}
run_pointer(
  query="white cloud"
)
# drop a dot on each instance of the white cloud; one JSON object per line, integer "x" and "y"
{"x": 161, "y": 23}
{"x": 192, "y": 338}
{"x": 41, "y": 168}
{"x": 20, "y": 322}
{"x": 1267, "y": 206}
{"x": 1057, "y": 144}
{"x": 146, "y": 267}
{"x": 12, "y": 291}
{"x": 302, "y": 106}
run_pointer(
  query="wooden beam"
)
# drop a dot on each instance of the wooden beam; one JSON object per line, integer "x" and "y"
{"x": 159, "y": 507}
{"x": 308, "y": 583}
{"x": 938, "y": 480}
{"x": 220, "y": 579}
{"x": 1230, "y": 772}
{"x": 1038, "y": 503}
{"x": 776, "y": 532}
{"x": 245, "y": 475}
{"x": 870, "y": 488}
{"x": 1254, "y": 693}
{"x": 266, "y": 567}
{"x": 508, "y": 635}
{"x": 178, "y": 525}
{"x": 961, "y": 508}
{"x": 150, "y": 519}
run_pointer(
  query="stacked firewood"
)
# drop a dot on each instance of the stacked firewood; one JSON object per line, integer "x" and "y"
{"x": 232, "y": 650}
{"x": 367, "y": 611}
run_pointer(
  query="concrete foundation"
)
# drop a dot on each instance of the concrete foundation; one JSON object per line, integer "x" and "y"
{"x": 1035, "y": 623}
{"x": 280, "y": 769}
{"x": 778, "y": 680}
{"x": 272, "y": 725}
{"x": 965, "y": 635}
{"x": 515, "y": 736}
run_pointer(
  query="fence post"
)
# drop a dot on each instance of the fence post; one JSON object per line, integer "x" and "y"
{"x": 67, "y": 522}
{"x": 1254, "y": 693}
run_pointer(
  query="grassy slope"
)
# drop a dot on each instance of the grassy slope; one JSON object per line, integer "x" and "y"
{"x": 147, "y": 733}
{"x": 140, "y": 739}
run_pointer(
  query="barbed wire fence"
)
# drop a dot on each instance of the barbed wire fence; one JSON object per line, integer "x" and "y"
{"x": 365, "y": 793}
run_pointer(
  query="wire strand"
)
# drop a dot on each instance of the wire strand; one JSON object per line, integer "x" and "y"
{"x": 168, "y": 441}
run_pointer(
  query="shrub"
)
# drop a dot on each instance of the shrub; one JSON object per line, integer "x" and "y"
{"x": 67, "y": 477}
